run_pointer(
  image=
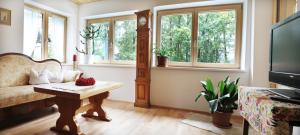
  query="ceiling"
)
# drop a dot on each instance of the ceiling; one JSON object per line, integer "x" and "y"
{"x": 84, "y": 1}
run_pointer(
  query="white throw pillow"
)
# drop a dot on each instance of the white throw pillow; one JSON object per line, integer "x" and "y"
{"x": 70, "y": 75}
{"x": 38, "y": 78}
{"x": 55, "y": 77}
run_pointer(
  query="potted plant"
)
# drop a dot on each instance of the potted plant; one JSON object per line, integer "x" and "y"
{"x": 162, "y": 54}
{"x": 89, "y": 34}
{"x": 221, "y": 103}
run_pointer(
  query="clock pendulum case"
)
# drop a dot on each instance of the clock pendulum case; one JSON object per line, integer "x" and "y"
{"x": 143, "y": 59}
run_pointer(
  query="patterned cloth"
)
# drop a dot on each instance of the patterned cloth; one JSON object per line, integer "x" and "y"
{"x": 266, "y": 116}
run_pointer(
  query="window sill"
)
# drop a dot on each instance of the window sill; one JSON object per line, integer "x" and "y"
{"x": 104, "y": 65}
{"x": 200, "y": 69}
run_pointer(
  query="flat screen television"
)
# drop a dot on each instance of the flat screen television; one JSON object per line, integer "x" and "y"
{"x": 285, "y": 52}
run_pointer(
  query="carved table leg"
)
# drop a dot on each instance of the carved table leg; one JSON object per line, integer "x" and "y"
{"x": 67, "y": 109}
{"x": 96, "y": 102}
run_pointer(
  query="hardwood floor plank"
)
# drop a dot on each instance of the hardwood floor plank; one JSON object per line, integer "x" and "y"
{"x": 126, "y": 120}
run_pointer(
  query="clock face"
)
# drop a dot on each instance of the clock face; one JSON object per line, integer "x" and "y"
{"x": 142, "y": 21}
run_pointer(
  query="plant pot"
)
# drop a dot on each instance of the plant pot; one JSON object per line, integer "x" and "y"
{"x": 221, "y": 120}
{"x": 162, "y": 61}
{"x": 90, "y": 59}
{"x": 87, "y": 59}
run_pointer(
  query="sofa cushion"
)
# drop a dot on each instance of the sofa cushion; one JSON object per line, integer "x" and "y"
{"x": 10, "y": 96}
{"x": 70, "y": 75}
{"x": 38, "y": 77}
{"x": 55, "y": 78}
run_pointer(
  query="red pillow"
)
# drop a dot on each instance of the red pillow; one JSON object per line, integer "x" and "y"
{"x": 85, "y": 81}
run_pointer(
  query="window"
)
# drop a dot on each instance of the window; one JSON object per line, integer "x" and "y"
{"x": 33, "y": 29}
{"x": 203, "y": 36}
{"x": 44, "y": 34}
{"x": 117, "y": 41}
{"x": 176, "y": 34}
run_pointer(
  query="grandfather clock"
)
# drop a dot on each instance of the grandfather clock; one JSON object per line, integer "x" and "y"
{"x": 143, "y": 60}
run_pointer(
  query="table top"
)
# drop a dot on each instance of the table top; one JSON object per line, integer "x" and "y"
{"x": 70, "y": 90}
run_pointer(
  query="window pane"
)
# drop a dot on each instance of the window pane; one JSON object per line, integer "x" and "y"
{"x": 102, "y": 42}
{"x": 176, "y": 35}
{"x": 125, "y": 40}
{"x": 216, "y": 37}
{"x": 56, "y": 38}
{"x": 33, "y": 32}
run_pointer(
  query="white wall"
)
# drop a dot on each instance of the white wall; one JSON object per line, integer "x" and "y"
{"x": 298, "y": 5}
{"x": 11, "y": 37}
{"x": 177, "y": 88}
{"x": 261, "y": 27}
{"x": 169, "y": 87}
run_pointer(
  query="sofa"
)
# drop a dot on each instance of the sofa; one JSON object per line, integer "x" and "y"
{"x": 16, "y": 95}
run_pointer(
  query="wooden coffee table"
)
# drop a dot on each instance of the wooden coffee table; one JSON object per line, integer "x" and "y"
{"x": 69, "y": 99}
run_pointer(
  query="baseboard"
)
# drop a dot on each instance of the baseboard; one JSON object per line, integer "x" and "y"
{"x": 181, "y": 109}
{"x": 115, "y": 100}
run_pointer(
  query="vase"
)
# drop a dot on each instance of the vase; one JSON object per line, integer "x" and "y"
{"x": 88, "y": 59}
{"x": 162, "y": 61}
{"x": 91, "y": 59}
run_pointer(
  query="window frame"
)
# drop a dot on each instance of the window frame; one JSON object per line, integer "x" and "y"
{"x": 238, "y": 8}
{"x": 158, "y": 31}
{"x": 111, "y": 37}
{"x": 45, "y": 17}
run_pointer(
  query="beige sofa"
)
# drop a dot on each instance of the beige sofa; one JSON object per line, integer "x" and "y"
{"x": 14, "y": 81}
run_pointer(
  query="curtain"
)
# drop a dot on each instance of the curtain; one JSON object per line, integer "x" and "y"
{"x": 56, "y": 37}
{"x": 33, "y": 32}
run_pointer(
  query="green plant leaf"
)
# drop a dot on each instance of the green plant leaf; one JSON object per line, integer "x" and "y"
{"x": 226, "y": 79}
{"x": 213, "y": 104}
{"x": 233, "y": 91}
{"x": 225, "y": 96}
{"x": 231, "y": 87}
{"x": 221, "y": 87}
{"x": 199, "y": 95}
{"x": 235, "y": 97}
{"x": 204, "y": 85}
{"x": 237, "y": 81}
{"x": 222, "y": 100}
{"x": 210, "y": 88}
{"x": 210, "y": 85}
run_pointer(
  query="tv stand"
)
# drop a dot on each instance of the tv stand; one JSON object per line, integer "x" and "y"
{"x": 258, "y": 109}
{"x": 287, "y": 93}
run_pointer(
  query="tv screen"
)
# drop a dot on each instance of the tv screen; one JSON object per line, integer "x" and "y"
{"x": 285, "y": 52}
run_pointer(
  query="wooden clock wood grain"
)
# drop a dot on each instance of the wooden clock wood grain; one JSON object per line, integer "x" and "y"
{"x": 143, "y": 60}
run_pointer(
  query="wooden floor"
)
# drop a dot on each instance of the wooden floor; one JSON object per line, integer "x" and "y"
{"x": 126, "y": 120}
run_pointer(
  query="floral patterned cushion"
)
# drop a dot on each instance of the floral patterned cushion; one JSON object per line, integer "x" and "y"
{"x": 265, "y": 115}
